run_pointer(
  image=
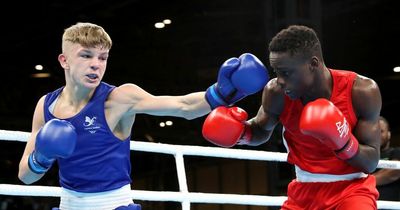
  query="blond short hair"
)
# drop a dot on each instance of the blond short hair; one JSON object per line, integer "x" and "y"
{"x": 86, "y": 34}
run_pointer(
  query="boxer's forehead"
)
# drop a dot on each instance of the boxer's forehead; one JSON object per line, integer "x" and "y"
{"x": 283, "y": 60}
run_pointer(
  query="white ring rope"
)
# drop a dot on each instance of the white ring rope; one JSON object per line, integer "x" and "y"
{"x": 196, "y": 150}
{"x": 185, "y": 197}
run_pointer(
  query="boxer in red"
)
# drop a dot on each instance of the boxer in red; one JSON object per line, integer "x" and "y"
{"x": 330, "y": 119}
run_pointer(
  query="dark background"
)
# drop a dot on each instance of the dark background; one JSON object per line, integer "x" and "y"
{"x": 358, "y": 35}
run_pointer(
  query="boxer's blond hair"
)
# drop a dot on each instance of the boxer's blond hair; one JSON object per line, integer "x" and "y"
{"x": 86, "y": 34}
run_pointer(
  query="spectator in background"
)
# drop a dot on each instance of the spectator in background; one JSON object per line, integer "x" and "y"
{"x": 388, "y": 180}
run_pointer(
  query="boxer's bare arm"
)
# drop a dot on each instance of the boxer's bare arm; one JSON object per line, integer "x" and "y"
{"x": 135, "y": 100}
{"x": 263, "y": 124}
{"x": 24, "y": 173}
{"x": 367, "y": 104}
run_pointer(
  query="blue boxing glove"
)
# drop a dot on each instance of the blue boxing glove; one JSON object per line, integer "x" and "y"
{"x": 237, "y": 78}
{"x": 56, "y": 139}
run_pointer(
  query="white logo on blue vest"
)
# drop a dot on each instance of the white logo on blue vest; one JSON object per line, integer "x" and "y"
{"x": 90, "y": 124}
{"x": 89, "y": 121}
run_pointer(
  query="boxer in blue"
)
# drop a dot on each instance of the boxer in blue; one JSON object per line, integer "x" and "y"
{"x": 86, "y": 125}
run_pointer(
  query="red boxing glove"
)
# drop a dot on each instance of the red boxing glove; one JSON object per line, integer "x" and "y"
{"x": 324, "y": 121}
{"x": 226, "y": 126}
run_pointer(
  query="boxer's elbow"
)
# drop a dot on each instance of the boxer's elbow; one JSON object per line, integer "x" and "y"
{"x": 371, "y": 167}
{"x": 372, "y": 161}
{"x": 26, "y": 175}
{"x": 368, "y": 170}
{"x": 366, "y": 164}
{"x": 24, "y": 178}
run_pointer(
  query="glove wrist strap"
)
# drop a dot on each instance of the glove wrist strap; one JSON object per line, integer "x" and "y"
{"x": 35, "y": 166}
{"x": 349, "y": 150}
{"x": 213, "y": 97}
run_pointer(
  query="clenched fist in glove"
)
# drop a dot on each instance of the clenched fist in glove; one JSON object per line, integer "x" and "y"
{"x": 226, "y": 126}
{"x": 237, "y": 78}
{"x": 324, "y": 121}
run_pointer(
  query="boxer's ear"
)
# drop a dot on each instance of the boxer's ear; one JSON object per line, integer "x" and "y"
{"x": 63, "y": 61}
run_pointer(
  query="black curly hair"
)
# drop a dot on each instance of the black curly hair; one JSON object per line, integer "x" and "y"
{"x": 297, "y": 40}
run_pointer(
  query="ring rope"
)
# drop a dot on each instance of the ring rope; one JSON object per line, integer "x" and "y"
{"x": 183, "y": 196}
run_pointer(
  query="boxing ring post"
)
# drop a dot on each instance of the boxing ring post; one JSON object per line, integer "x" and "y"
{"x": 183, "y": 196}
{"x": 180, "y": 168}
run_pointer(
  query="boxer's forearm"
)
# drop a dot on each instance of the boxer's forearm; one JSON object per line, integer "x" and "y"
{"x": 366, "y": 159}
{"x": 259, "y": 135}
